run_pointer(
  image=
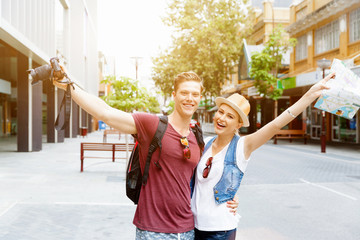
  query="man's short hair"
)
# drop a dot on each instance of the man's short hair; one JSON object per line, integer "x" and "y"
{"x": 187, "y": 76}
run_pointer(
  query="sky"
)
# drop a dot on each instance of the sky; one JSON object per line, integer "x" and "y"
{"x": 132, "y": 29}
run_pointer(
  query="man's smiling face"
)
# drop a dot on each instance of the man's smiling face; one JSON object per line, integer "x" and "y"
{"x": 187, "y": 98}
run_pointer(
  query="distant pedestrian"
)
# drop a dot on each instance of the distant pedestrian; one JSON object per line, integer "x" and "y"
{"x": 226, "y": 156}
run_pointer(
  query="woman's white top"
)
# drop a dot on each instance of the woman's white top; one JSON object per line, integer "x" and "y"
{"x": 208, "y": 215}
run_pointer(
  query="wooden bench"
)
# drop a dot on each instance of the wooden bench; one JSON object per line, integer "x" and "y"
{"x": 111, "y": 147}
{"x": 110, "y": 131}
{"x": 290, "y": 134}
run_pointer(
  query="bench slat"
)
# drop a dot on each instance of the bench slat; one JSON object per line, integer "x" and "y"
{"x": 290, "y": 134}
{"x": 113, "y": 147}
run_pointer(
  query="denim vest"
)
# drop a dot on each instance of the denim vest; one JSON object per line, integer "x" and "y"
{"x": 230, "y": 180}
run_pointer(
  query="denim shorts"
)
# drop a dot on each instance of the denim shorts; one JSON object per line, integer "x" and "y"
{"x": 147, "y": 235}
{"x": 215, "y": 235}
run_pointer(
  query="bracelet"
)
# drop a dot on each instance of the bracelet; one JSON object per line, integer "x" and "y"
{"x": 290, "y": 113}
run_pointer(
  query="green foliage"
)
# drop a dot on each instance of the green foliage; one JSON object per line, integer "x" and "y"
{"x": 126, "y": 95}
{"x": 208, "y": 41}
{"x": 170, "y": 106}
{"x": 265, "y": 65}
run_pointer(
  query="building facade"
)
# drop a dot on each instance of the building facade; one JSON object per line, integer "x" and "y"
{"x": 32, "y": 32}
{"x": 325, "y": 29}
{"x": 269, "y": 15}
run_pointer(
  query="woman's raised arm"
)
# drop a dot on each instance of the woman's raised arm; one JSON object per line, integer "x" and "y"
{"x": 257, "y": 139}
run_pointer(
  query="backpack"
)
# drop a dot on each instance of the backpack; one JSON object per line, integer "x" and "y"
{"x": 134, "y": 178}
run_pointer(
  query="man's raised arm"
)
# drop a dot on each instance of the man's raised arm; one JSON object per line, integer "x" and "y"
{"x": 95, "y": 106}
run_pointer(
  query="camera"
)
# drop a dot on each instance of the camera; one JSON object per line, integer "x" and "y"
{"x": 48, "y": 71}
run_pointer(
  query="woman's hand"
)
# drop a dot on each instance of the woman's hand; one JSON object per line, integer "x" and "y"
{"x": 316, "y": 90}
{"x": 233, "y": 204}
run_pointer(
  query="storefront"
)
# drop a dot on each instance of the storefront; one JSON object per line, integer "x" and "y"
{"x": 338, "y": 129}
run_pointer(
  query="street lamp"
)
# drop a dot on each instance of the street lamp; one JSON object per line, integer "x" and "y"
{"x": 323, "y": 64}
{"x": 137, "y": 63}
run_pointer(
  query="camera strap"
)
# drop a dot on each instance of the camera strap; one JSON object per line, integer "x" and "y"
{"x": 65, "y": 103}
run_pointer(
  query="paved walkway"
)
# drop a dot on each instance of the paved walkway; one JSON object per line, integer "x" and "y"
{"x": 44, "y": 195}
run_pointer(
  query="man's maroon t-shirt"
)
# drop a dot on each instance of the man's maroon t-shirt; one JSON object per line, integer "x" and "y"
{"x": 164, "y": 203}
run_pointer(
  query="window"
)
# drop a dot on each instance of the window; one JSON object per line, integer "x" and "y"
{"x": 301, "y": 48}
{"x": 354, "y": 30}
{"x": 327, "y": 37}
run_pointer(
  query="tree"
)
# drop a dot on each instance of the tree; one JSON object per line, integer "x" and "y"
{"x": 126, "y": 95}
{"x": 265, "y": 65}
{"x": 207, "y": 40}
{"x": 166, "y": 67}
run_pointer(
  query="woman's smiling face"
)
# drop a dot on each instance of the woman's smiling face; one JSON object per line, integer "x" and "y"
{"x": 226, "y": 120}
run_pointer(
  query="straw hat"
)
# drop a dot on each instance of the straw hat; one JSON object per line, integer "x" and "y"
{"x": 239, "y": 104}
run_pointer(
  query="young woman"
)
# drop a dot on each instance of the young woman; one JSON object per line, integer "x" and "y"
{"x": 222, "y": 166}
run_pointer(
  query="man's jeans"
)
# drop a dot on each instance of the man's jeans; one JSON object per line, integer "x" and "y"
{"x": 215, "y": 235}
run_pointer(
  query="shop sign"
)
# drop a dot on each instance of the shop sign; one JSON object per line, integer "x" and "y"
{"x": 288, "y": 83}
{"x": 308, "y": 78}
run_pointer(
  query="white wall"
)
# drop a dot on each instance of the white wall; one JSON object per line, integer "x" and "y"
{"x": 29, "y": 27}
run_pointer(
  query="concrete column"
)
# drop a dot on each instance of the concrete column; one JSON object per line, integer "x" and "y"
{"x": 68, "y": 128}
{"x": 61, "y": 112}
{"x": 51, "y": 115}
{"x": 23, "y": 103}
{"x": 90, "y": 123}
{"x": 37, "y": 116}
{"x": 84, "y": 121}
{"x": 75, "y": 119}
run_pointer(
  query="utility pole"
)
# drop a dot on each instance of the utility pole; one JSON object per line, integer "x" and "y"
{"x": 137, "y": 63}
{"x": 323, "y": 64}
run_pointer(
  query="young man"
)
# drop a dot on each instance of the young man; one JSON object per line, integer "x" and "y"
{"x": 163, "y": 211}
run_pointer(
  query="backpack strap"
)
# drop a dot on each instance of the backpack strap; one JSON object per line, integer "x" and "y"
{"x": 199, "y": 137}
{"x": 155, "y": 143}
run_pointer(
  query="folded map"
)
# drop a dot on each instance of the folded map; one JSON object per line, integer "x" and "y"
{"x": 343, "y": 97}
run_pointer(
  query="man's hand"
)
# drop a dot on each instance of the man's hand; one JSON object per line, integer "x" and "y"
{"x": 233, "y": 204}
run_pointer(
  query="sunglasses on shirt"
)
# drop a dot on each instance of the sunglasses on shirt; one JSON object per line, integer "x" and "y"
{"x": 186, "y": 149}
{"x": 207, "y": 169}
